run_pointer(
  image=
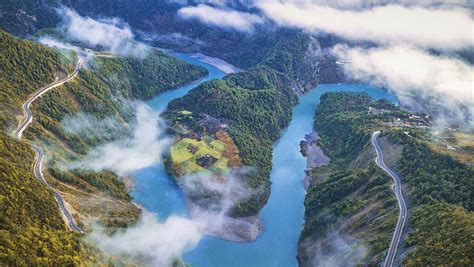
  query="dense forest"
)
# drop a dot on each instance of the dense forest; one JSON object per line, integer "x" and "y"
{"x": 21, "y": 76}
{"x": 345, "y": 126}
{"x": 32, "y": 231}
{"x": 103, "y": 91}
{"x": 258, "y": 104}
{"x": 438, "y": 188}
{"x": 158, "y": 23}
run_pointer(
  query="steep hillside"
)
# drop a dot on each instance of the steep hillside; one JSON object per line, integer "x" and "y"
{"x": 20, "y": 75}
{"x": 362, "y": 209}
{"x": 32, "y": 230}
{"x": 252, "y": 107}
{"x": 158, "y": 23}
{"x": 22, "y": 17}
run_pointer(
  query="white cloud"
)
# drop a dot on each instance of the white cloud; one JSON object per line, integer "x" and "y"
{"x": 89, "y": 126}
{"x": 212, "y": 196}
{"x": 213, "y": 2}
{"x": 159, "y": 243}
{"x": 338, "y": 252}
{"x": 223, "y": 18}
{"x": 156, "y": 243}
{"x": 425, "y": 27}
{"x": 111, "y": 34}
{"x": 407, "y": 70}
{"x": 361, "y": 4}
{"x": 144, "y": 148}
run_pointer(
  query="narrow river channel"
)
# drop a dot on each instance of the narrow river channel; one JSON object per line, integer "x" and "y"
{"x": 283, "y": 214}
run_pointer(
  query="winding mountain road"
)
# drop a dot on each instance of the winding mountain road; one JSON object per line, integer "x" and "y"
{"x": 38, "y": 165}
{"x": 392, "y": 251}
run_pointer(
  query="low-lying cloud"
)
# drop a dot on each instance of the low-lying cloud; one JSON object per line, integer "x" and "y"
{"x": 109, "y": 33}
{"x": 222, "y": 17}
{"x": 364, "y": 4}
{"x": 91, "y": 127}
{"x": 439, "y": 28}
{"x": 143, "y": 149}
{"x": 85, "y": 55}
{"x": 211, "y": 198}
{"x": 150, "y": 241}
{"x": 160, "y": 243}
{"x": 338, "y": 252}
{"x": 409, "y": 71}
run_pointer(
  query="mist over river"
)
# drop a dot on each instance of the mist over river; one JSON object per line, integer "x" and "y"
{"x": 283, "y": 214}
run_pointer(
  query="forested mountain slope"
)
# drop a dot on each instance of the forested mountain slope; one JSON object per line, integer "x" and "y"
{"x": 351, "y": 197}
{"x": 158, "y": 22}
{"x": 32, "y": 230}
{"x": 20, "y": 75}
{"x": 256, "y": 104}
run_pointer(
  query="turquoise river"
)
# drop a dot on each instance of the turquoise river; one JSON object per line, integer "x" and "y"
{"x": 283, "y": 214}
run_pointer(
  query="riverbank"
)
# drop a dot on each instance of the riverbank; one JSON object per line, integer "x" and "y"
{"x": 315, "y": 156}
{"x": 219, "y": 225}
{"x": 347, "y": 200}
{"x": 221, "y": 64}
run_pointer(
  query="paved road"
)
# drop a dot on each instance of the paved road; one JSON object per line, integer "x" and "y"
{"x": 392, "y": 251}
{"x": 38, "y": 169}
{"x": 26, "y": 106}
{"x": 38, "y": 165}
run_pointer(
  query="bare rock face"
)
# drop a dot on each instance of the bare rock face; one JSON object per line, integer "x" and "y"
{"x": 315, "y": 156}
{"x": 304, "y": 148}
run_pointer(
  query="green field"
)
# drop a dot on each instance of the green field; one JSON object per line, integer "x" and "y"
{"x": 187, "y": 151}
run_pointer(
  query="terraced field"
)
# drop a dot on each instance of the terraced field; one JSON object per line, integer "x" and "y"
{"x": 210, "y": 153}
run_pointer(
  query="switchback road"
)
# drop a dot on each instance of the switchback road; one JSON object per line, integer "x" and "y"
{"x": 38, "y": 165}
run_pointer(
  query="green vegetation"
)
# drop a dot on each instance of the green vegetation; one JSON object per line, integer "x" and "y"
{"x": 32, "y": 231}
{"x": 214, "y": 153}
{"x": 354, "y": 198}
{"x": 101, "y": 92}
{"x": 145, "y": 78}
{"x": 21, "y": 76}
{"x": 443, "y": 236}
{"x": 25, "y": 16}
{"x": 351, "y": 196}
{"x": 440, "y": 191}
{"x": 434, "y": 177}
{"x": 345, "y": 125}
{"x": 351, "y": 202}
{"x": 256, "y": 105}
{"x": 257, "y": 116}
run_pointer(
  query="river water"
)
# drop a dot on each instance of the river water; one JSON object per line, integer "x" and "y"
{"x": 283, "y": 214}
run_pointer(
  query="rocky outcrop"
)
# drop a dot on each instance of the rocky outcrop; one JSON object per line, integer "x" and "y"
{"x": 315, "y": 156}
